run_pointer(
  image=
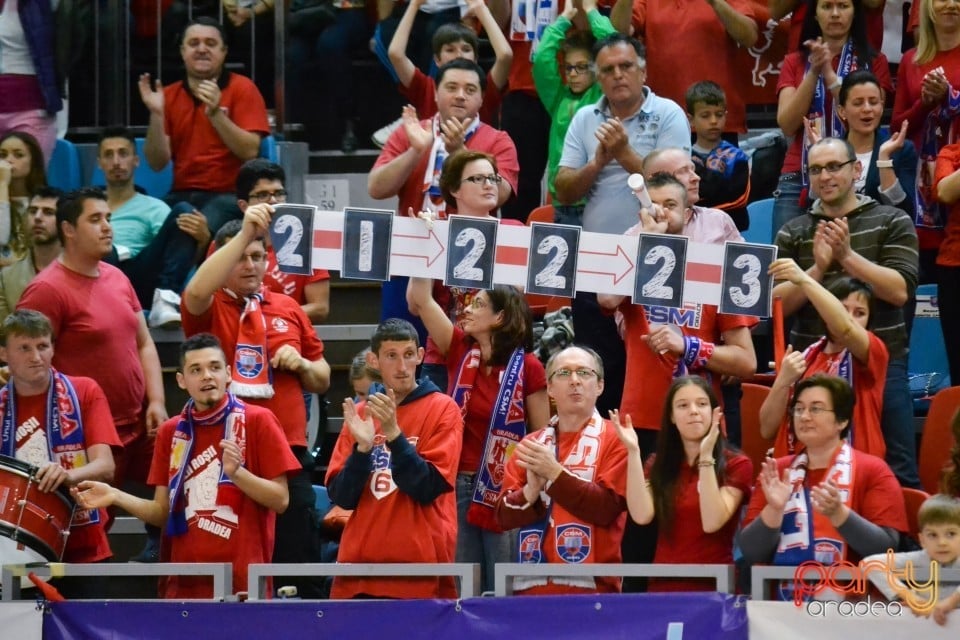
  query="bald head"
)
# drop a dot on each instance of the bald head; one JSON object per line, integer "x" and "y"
{"x": 676, "y": 162}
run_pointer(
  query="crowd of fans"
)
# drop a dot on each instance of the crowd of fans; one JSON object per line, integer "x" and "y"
{"x": 461, "y": 445}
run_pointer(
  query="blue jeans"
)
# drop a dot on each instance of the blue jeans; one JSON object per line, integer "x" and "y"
{"x": 786, "y": 207}
{"x": 896, "y": 423}
{"x": 568, "y": 214}
{"x": 217, "y": 208}
{"x": 477, "y": 545}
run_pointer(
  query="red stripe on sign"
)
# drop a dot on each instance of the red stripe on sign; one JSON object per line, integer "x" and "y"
{"x": 703, "y": 272}
{"x": 511, "y": 255}
{"x": 324, "y": 239}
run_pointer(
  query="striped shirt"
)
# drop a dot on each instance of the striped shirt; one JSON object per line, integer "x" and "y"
{"x": 883, "y": 235}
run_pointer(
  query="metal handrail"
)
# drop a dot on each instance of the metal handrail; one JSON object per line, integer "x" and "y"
{"x": 721, "y": 573}
{"x": 469, "y": 574}
{"x": 222, "y": 573}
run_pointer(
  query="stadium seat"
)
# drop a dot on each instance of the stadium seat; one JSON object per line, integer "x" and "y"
{"x": 912, "y": 499}
{"x": 268, "y": 149}
{"x": 752, "y": 443}
{"x": 761, "y": 222}
{"x": 155, "y": 183}
{"x": 937, "y": 438}
{"x": 927, "y": 362}
{"x": 63, "y": 172}
{"x": 541, "y": 214}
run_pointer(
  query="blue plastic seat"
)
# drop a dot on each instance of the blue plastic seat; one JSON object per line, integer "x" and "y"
{"x": 63, "y": 172}
{"x": 268, "y": 149}
{"x": 761, "y": 222}
{"x": 927, "y": 362}
{"x": 155, "y": 183}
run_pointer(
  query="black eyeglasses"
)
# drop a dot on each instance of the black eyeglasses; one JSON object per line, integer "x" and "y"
{"x": 578, "y": 69}
{"x": 279, "y": 195}
{"x": 831, "y": 167}
{"x": 493, "y": 180}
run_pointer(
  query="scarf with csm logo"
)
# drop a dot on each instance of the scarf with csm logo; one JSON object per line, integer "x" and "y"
{"x": 252, "y": 376}
{"x": 64, "y": 429}
{"x": 506, "y": 429}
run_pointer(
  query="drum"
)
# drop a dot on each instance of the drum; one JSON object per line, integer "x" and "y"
{"x": 34, "y": 525}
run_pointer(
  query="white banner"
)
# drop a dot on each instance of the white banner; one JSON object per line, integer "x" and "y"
{"x": 21, "y": 620}
{"x": 843, "y": 621}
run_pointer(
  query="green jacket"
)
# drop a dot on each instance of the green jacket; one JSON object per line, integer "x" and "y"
{"x": 559, "y": 101}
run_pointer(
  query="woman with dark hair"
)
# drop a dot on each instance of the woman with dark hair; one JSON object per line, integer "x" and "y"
{"x": 694, "y": 477}
{"x": 889, "y": 173}
{"x": 833, "y": 44}
{"x": 21, "y": 174}
{"x": 500, "y": 387}
{"x": 848, "y": 350}
{"x": 829, "y": 502}
{"x": 469, "y": 183}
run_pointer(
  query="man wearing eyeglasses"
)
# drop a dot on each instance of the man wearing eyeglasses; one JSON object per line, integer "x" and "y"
{"x": 565, "y": 485}
{"x": 260, "y": 181}
{"x": 605, "y": 143}
{"x": 849, "y": 234}
{"x": 275, "y": 355}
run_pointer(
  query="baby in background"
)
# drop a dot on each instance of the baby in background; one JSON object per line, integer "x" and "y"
{"x": 939, "y": 520}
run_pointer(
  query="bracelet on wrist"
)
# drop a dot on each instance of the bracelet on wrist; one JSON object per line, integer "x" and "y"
{"x": 706, "y": 463}
{"x": 884, "y": 164}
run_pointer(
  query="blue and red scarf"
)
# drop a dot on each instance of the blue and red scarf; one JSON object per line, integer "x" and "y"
{"x": 507, "y": 427}
{"x": 64, "y": 430}
{"x": 818, "y": 115}
{"x": 233, "y": 417}
{"x": 938, "y": 131}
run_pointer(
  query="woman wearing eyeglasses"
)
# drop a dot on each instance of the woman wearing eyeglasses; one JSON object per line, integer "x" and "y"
{"x": 499, "y": 385}
{"x": 833, "y": 44}
{"x": 829, "y": 502}
{"x": 469, "y": 183}
{"x": 695, "y": 478}
{"x": 848, "y": 350}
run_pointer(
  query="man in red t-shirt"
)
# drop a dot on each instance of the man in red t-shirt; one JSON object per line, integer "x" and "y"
{"x": 259, "y": 181}
{"x": 222, "y": 464}
{"x": 67, "y": 434}
{"x": 208, "y": 124}
{"x": 101, "y": 330}
{"x": 275, "y": 355}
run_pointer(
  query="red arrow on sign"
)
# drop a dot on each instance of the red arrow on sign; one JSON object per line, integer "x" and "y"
{"x": 325, "y": 239}
{"x": 619, "y": 252}
{"x": 430, "y": 236}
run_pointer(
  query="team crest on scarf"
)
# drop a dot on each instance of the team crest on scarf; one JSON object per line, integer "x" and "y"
{"x": 249, "y": 361}
{"x": 529, "y": 547}
{"x": 573, "y": 542}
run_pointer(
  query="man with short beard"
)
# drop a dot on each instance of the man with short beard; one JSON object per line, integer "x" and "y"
{"x": 45, "y": 246}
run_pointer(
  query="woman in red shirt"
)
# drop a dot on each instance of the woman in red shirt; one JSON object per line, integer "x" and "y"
{"x": 847, "y": 350}
{"x": 694, "y": 477}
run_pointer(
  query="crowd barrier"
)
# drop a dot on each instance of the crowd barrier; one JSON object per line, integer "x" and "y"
{"x": 675, "y": 616}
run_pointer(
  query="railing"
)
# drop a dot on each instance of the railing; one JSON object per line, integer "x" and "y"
{"x": 722, "y": 574}
{"x": 469, "y": 574}
{"x": 112, "y": 59}
{"x": 222, "y": 574}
